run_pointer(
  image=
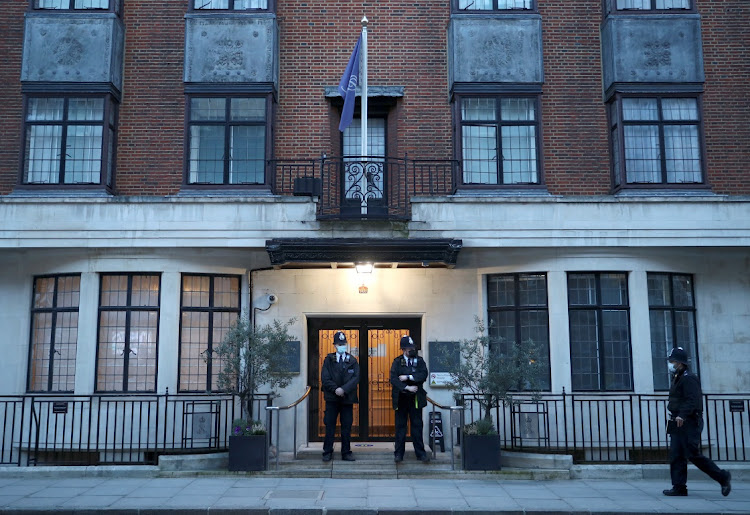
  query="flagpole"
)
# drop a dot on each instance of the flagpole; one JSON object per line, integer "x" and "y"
{"x": 363, "y": 84}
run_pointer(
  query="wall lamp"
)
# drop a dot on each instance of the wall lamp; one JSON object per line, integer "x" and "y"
{"x": 363, "y": 268}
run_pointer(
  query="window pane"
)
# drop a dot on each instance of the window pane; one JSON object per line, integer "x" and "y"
{"x": 662, "y": 341}
{"x": 517, "y": 109}
{"x": 375, "y": 138}
{"x": 642, "y": 157}
{"x": 501, "y": 291}
{"x": 114, "y": 290}
{"x": 142, "y": 358}
{"x": 83, "y": 154}
{"x": 145, "y": 290}
{"x": 211, "y": 4}
{"x": 86, "y": 109}
{"x": 193, "y": 351}
{"x": 519, "y": 155}
{"x": 639, "y": 109}
{"x": 658, "y": 290}
{"x": 682, "y": 153}
{"x": 616, "y": 350}
{"x": 43, "y": 151}
{"x": 614, "y": 290}
{"x": 207, "y": 109}
{"x": 226, "y": 292}
{"x": 111, "y": 351}
{"x": 683, "y": 290}
{"x": 479, "y": 5}
{"x": 582, "y": 289}
{"x": 91, "y": 4}
{"x": 532, "y": 290}
{"x": 478, "y": 109}
{"x": 480, "y": 154}
{"x": 673, "y": 4}
{"x": 679, "y": 109}
{"x": 634, "y": 4}
{"x": 195, "y": 291}
{"x": 250, "y": 4}
{"x": 45, "y": 109}
{"x": 584, "y": 345}
{"x": 207, "y": 154}
{"x": 248, "y": 109}
{"x": 247, "y": 150}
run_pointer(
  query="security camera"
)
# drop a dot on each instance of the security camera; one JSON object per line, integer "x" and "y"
{"x": 272, "y": 298}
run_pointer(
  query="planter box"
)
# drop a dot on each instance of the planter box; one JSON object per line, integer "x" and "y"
{"x": 480, "y": 452}
{"x": 247, "y": 452}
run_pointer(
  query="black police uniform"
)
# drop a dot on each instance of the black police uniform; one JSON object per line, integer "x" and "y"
{"x": 409, "y": 405}
{"x": 343, "y": 375}
{"x": 686, "y": 402}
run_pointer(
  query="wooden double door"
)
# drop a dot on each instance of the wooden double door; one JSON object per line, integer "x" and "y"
{"x": 375, "y": 344}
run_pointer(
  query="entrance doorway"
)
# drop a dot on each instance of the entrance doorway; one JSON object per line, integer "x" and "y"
{"x": 375, "y": 344}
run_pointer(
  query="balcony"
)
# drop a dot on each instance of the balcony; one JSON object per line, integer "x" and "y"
{"x": 364, "y": 188}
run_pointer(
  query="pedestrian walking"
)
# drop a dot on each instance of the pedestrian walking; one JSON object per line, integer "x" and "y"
{"x": 685, "y": 406}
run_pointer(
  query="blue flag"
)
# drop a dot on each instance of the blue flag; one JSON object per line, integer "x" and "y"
{"x": 348, "y": 86}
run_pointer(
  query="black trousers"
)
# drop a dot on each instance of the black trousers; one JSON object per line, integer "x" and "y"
{"x": 407, "y": 410}
{"x": 685, "y": 444}
{"x": 333, "y": 411}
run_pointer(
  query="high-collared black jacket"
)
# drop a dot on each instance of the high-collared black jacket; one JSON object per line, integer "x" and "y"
{"x": 685, "y": 396}
{"x": 418, "y": 371}
{"x": 334, "y": 375}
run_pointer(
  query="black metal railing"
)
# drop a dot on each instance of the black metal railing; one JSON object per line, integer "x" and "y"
{"x": 136, "y": 429}
{"x": 365, "y": 187}
{"x": 114, "y": 429}
{"x": 614, "y": 428}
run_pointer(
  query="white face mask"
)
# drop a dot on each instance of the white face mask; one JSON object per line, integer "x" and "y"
{"x": 672, "y": 367}
{"x": 341, "y": 349}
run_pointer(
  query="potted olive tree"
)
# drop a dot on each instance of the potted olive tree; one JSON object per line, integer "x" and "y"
{"x": 492, "y": 370}
{"x": 249, "y": 361}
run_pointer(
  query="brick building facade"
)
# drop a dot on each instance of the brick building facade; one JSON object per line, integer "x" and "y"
{"x": 572, "y": 174}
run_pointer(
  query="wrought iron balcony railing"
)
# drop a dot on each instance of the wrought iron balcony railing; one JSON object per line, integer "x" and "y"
{"x": 364, "y": 187}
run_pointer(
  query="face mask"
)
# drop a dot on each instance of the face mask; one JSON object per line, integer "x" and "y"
{"x": 341, "y": 349}
{"x": 412, "y": 353}
{"x": 672, "y": 368}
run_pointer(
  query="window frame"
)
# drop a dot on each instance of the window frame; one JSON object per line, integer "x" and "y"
{"x": 498, "y": 124}
{"x": 598, "y": 309}
{"x": 609, "y": 7}
{"x": 109, "y": 124}
{"x": 54, "y": 310}
{"x": 495, "y": 10}
{"x": 616, "y": 136}
{"x": 517, "y": 309}
{"x": 268, "y": 178}
{"x": 270, "y": 7}
{"x": 115, "y": 6}
{"x": 128, "y": 308}
{"x": 210, "y": 344}
{"x": 672, "y": 308}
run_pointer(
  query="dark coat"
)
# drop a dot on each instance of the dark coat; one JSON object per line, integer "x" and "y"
{"x": 418, "y": 371}
{"x": 334, "y": 375}
{"x": 685, "y": 396}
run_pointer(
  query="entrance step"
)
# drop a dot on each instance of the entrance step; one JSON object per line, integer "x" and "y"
{"x": 375, "y": 461}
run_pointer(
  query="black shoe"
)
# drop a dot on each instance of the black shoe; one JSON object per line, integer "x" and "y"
{"x": 726, "y": 485}
{"x": 348, "y": 457}
{"x": 676, "y": 492}
{"x": 398, "y": 458}
{"x": 425, "y": 458}
{"x": 327, "y": 457}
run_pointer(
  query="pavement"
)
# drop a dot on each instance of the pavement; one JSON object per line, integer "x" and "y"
{"x": 32, "y": 492}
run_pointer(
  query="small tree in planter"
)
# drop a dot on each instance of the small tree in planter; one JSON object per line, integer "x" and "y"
{"x": 249, "y": 361}
{"x": 493, "y": 371}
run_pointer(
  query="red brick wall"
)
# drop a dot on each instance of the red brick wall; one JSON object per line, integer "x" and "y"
{"x": 11, "y": 108}
{"x": 152, "y": 114}
{"x": 407, "y": 47}
{"x": 726, "y": 101}
{"x": 574, "y": 120}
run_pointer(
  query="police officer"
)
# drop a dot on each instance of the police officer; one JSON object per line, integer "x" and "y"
{"x": 686, "y": 423}
{"x": 408, "y": 374}
{"x": 339, "y": 378}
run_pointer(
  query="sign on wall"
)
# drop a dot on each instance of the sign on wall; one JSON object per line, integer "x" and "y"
{"x": 444, "y": 358}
